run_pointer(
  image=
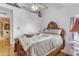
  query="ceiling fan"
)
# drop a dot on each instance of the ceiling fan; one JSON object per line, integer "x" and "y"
{"x": 35, "y": 8}
{"x": 38, "y": 7}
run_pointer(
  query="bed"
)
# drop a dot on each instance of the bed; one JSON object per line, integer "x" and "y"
{"x": 42, "y": 44}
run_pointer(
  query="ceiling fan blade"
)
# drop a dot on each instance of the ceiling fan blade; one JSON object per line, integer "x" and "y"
{"x": 42, "y": 6}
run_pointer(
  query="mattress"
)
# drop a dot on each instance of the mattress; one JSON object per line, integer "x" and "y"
{"x": 41, "y": 44}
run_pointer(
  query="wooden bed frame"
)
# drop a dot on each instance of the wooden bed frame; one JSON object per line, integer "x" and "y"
{"x": 19, "y": 51}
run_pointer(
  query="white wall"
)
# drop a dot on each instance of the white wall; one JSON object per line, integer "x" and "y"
{"x": 61, "y": 15}
{"x": 24, "y": 22}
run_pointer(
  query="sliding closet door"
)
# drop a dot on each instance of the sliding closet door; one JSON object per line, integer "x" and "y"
{"x": 4, "y": 35}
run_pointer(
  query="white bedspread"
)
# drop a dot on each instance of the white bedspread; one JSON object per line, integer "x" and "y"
{"x": 41, "y": 44}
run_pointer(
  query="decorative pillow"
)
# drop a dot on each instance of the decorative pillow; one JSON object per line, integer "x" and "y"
{"x": 47, "y": 31}
{"x": 28, "y": 35}
{"x": 31, "y": 34}
{"x": 53, "y": 31}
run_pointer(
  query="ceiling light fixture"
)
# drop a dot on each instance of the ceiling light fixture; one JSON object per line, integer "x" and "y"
{"x": 34, "y": 8}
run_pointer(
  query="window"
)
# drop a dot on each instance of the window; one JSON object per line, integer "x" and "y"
{"x": 76, "y": 36}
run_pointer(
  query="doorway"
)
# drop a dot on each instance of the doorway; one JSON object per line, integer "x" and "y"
{"x": 4, "y": 35}
{"x": 6, "y": 18}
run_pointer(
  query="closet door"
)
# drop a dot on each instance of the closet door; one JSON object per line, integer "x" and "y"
{"x": 4, "y": 35}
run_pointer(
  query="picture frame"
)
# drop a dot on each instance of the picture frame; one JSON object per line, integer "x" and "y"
{"x": 6, "y": 26}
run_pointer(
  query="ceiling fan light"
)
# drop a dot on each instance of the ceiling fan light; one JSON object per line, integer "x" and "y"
{"x": 34, "y": 8}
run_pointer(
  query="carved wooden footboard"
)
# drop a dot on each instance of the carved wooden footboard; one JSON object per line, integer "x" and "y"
{"x": 18, "y": 49}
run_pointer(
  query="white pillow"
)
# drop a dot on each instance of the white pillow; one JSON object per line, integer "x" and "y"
{"x": 47, "y": 31}
{"x": 53, "y": 31}
{"x": 56, "y": 31}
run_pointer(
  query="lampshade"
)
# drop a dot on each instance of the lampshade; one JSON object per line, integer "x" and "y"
{"x": 75, "y": 28}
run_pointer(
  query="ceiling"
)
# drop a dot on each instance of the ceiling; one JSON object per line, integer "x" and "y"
{"x": 27, "y": 6}
{"x": 53, "y": 4}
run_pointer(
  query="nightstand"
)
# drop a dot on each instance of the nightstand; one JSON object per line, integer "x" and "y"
{"x": 71, "y": 49}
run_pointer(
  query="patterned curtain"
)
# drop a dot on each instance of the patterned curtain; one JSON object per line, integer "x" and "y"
{"x": 72, "y": 22}
{"x": 73, "y": 34}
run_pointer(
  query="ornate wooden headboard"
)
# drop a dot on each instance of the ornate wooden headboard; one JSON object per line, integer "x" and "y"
{"x": 53, "y": 25}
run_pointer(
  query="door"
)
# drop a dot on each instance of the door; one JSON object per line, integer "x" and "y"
{"x": 4, "y": 36}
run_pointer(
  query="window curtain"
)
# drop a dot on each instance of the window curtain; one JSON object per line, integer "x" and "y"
{"x": 72, "y": 22}
{"x": 73, "y": 35}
